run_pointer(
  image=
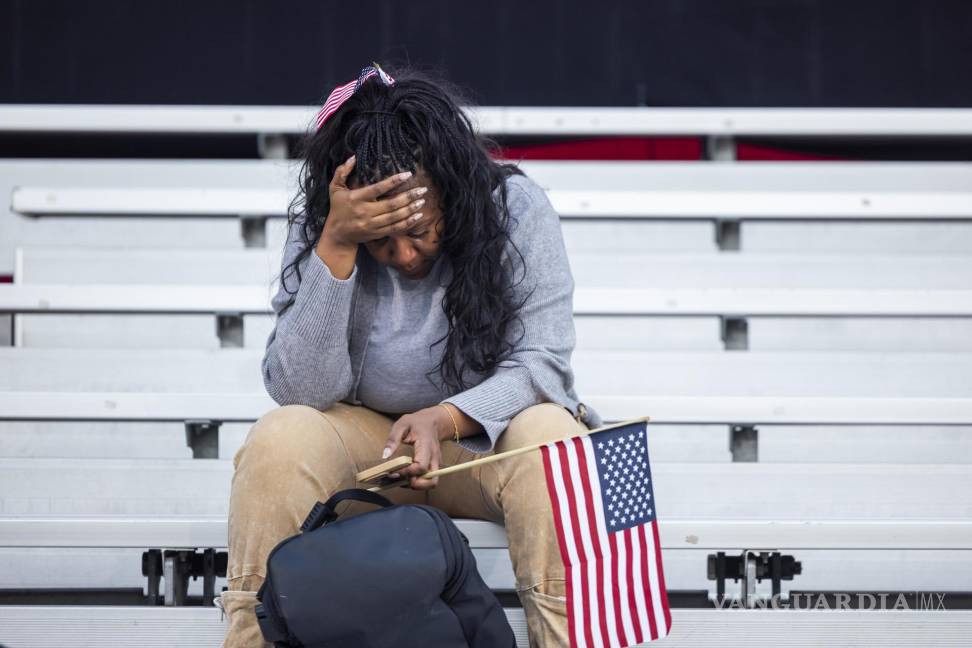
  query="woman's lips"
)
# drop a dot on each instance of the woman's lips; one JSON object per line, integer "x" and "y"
{"x": 412, "y": 272}
{"x": 409, "y": 275}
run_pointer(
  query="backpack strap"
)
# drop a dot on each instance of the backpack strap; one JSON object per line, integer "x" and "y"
{"x": 323, "y": 512}
{"x": 275, "y": 635}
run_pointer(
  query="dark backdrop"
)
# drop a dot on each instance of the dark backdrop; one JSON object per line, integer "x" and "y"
{"x": 815, "y": 53}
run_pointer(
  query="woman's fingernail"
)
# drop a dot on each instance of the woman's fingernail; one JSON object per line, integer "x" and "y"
{"x": 405, "y": 176}
{"x": 386, "y": 453}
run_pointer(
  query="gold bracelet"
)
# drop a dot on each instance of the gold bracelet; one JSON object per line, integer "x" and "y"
{"x": 454, "y": 424}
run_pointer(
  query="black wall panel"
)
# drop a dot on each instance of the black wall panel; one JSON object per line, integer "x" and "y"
{"x": 811, "y": 53}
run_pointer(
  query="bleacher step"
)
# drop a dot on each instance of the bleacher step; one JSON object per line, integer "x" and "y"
{"x": 148, "y": 627}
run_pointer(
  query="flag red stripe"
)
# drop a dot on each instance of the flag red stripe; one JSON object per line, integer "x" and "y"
{"x": 616, "y": 592}
{"x": 595, "y": 536}
{"x": 661, "y": 575}
{"x": 579, "y": 543}
{"x": 629, "y": 578}
{"x": 646, "y": 584}
{"x": 338, "y": 96}
{"x": 568, "y": 576}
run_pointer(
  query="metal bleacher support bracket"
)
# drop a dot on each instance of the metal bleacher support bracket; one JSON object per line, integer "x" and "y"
{"x": 720, "y": 148}
{"x": 735, "y": 333}
{"x": 177, "y": 566}
{"x": 749, "y": 568}
{"x": 229, "y": 330}
{"x": 253, "y": 230}
{"x": 7, "y": 322}
{"x": 202, "y": 435}
{"x": 728, "y": 235}
{"x": 273, "y": 146}
{"x": 744, "y": 443}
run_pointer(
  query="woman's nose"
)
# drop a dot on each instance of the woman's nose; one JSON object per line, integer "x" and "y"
{"x": 403, "y": 252}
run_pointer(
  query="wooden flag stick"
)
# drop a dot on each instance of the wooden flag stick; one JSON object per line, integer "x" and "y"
{"x": 476, "y": 462}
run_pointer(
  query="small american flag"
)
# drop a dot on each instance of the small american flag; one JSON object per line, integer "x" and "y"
{"x": 604, "y": 510}
{"x": 343, "y": 92}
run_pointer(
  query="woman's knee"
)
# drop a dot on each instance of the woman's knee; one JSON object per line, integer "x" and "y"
{"x": 291, "y": 435}
{"x": 537, "y": 424}
{"x": 519, "y": 476}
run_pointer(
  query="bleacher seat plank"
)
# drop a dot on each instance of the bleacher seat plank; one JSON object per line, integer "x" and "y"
{"x": 503, "y": 120}
{"x": 196, "y": 627}
{"x": 730, "y": 302}
{"x": 107, "y": 201}
{"x": 588, "y": 203}
{"x": 99, "y": 265}
{"x": 938, "y": 377}
{"x": 701, "y": 491}
{"x": 701, "y": 410}
{"x": 923, "y": 176}
{"x": 133, "y": 406}
{"x": 760, "y": 410}
{"x": 177, "y": 532}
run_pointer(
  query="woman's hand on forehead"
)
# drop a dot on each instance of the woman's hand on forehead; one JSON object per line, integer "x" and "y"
{"x": 374, "y": 211}
{"x": 413, "y": 182}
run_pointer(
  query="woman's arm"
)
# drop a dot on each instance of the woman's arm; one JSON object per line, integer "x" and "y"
{"x": 306, "y": 361}
{"x": 539, "y": 367}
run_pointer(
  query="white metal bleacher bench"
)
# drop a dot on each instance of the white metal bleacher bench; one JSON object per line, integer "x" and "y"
{"x": 176, "y": 299}
{"x": 205, "y": 388}
{"x": 153, "y": 627}
{"x": 672, "y": 270}
{"x": 504, "y": 120}
{"x": 704, "y": 204}
{"x": 732, "y": 306}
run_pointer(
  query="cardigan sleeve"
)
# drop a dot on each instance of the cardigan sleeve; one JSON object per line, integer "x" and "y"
{"x": 538, "y": 369}
{"x": 306, "y": 361}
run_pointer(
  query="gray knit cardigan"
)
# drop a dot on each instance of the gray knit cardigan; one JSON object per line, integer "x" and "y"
{"x": 314, "y": 353}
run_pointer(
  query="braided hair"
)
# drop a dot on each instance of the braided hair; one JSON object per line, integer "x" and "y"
{"x": 418, "y": 122}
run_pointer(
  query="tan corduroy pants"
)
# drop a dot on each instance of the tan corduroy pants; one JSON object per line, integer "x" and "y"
{"x": 296, "y": 455}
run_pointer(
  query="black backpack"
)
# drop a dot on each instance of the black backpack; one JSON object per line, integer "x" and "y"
{"x": 401, "y": 575}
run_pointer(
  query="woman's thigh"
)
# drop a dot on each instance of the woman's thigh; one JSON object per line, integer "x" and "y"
{"x": 363, "y": 433}
{"x": 475, "y": 492}
{"x": 460, "y": 494}
{"x": 298, "y": 449}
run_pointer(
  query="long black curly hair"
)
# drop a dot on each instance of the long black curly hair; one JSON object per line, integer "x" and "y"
{"x": 417, "y": 121}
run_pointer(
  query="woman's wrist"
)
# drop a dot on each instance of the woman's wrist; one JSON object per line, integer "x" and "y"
{"x": 452, "y": 418}
{"x": 339, "y": 257}
{"x": 448, "y": 424}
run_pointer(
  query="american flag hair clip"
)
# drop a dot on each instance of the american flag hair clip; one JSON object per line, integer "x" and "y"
{"x": 342, "y": 93}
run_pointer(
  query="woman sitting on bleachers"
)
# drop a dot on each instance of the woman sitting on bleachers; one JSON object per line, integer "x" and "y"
{"x": 425, "y": 309}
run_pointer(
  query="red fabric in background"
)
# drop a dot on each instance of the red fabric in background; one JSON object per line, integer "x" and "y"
{"x": 6, "y": 278}
{"x": 646, "y": 148}
{"x": 750, "y": 152}
{"x": 609, "y": 148}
